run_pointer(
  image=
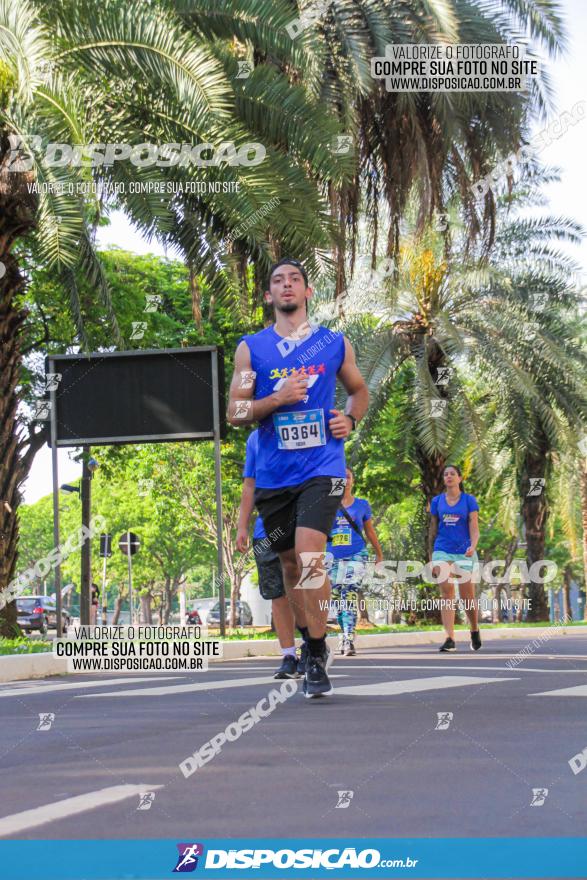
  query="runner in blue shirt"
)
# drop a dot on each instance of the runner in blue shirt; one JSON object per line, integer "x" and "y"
{"x": 271, "y": 584}
{"x": 455, "y": 529}
{"x": 285, "y": 379}
{"x": 347, "y": 557}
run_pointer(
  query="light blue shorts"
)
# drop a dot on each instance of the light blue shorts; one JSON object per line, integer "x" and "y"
{"x": 466, "y": 563}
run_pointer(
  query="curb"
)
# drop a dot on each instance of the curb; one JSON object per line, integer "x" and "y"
{"x": 31, "y": 666}
{"x": 270, "y": 647}
{"x": 16, "y": 668}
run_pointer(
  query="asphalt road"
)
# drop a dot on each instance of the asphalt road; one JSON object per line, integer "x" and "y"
{"x": 115, "y": 737}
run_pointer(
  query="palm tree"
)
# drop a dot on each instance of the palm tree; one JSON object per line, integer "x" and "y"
{"x": 480, "y": 321}
{"x": 125, "y": 73}
{"x": 583, "y": 485}
{"x": 436, "y": 144}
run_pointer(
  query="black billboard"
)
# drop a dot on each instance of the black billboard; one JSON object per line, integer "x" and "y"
{"x": 137, "y": 396}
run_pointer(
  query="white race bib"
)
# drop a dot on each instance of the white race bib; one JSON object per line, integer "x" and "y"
{"x": 300, "y": 430}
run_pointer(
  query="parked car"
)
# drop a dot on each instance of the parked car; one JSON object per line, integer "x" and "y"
{"x": 244, "y": 615}
{"x": 39, "y": 612}
{"x": 203, "y": 607}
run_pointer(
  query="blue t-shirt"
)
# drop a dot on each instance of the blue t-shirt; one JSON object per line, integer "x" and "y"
{"x": 345, "y": 542}
{"x": 250, "y": 470}
{"x": 295, "y": 443}
{"x": 453, "y": 522}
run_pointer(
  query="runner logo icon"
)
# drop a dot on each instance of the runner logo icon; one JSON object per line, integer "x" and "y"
{"x": 188, "y": 857}
{"x": 313, "y": 572}
{"x": 539, "y": 795}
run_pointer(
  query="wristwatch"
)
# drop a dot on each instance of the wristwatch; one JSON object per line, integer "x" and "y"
{"x": 353, "y": 420}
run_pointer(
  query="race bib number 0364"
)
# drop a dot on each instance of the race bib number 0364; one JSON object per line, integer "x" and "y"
{"x": 300, "y": 430}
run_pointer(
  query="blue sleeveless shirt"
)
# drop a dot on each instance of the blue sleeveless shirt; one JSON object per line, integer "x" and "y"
{"x": 295, "y": 443}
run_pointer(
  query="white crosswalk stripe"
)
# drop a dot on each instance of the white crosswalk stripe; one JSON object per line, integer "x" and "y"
{"x": 413, "y": 685}
{"x": 210, "y": 685}
{"x": 410, "y": 685}
{"x": 183, "y": 688}
{"x": 79, "y": 685}
{"x": 70, "y": 807}
{"x": 579, "y": 691}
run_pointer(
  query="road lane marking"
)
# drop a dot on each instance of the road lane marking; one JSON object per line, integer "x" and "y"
{"x": 579, "y": 691}
{"x": 70, "y": 807}
{"x": 413, "y": 685}
{"x": 43, "y": 688}
{"x": 197, "y": 686}
{"x": 504, "y": 668}
{"x": 460, "y": 656}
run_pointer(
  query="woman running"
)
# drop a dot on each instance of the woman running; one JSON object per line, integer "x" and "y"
{"x": 346, "y": 558}
{"x": 455, "y": 530}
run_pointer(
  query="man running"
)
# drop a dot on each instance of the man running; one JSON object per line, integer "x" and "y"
{"x": 285, "y": 379}
{"x": 271, "y": 584}
{"x": 347, "y": 557}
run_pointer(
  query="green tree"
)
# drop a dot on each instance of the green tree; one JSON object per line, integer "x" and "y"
{"x": 509, "y": 323}
{"x": 73, "y": 73}
{"x": 180, "y": 480}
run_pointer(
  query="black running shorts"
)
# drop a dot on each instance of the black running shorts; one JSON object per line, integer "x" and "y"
{"x": 269, "y": 569}
{"x": 311, "y": 505}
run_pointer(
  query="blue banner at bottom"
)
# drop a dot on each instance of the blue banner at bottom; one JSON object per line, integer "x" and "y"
{"x": 277, "y": 858}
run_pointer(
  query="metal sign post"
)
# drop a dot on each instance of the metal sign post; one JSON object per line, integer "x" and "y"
{"x": 105, "y": 552}
{"x": 218, "y": 477}
{"x": 130, "y": 595}
{"x": 85, "y": 601}
{"x": 56, "y": 539}
{"x": 129, "y": 544}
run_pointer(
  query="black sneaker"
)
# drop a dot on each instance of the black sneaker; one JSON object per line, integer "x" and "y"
{"x": 316, "y": 681}
{"x": 303, "y": 659}
{"x": 288, "y": 668}
{"x": 350, "y": 648}
{"x": 475, "y": 640}
{"x": 449, "y": 645}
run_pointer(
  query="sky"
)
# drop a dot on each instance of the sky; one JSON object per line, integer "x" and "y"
{"x": 568, "y": 198}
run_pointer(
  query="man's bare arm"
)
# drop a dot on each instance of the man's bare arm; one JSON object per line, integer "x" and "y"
{"x": 242, "y": 409}
{"x": 244, "y": 514}
{"x": 247, "y": 504}
{"x": 355, "y": 385}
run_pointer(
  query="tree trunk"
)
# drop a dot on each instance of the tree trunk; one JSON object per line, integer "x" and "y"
{"x": 431, "y": 476}
{"x": 363, "y": 613}
{"x": 583, "y": 484}
{"x": 17, "y": 212}
{"x": 432, "y": 483}
{"x": 146, "y": 614}
{"x": 496, "y": 612}
{"x": 116, "y": 612}
{"x": 196, "y": 295}
{"x": 567, "y": 578}
{"x": 235, "y": 594}
{"x": 168, "y": 600}
{"x": 535, "y": 515}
